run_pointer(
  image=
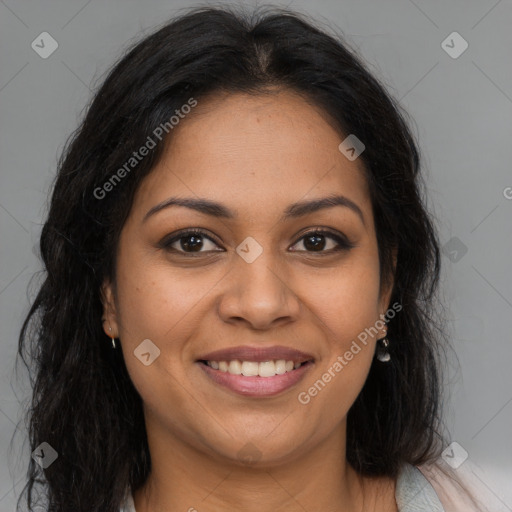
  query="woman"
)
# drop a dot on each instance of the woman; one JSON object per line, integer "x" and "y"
{"x": 239, "y": 304}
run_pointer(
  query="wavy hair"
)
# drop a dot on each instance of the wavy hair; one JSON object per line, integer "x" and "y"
{"x": 83, "y": 402}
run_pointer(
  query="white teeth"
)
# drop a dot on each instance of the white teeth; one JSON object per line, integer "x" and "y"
{"x": 250, "y": 368}
{"x": 280, "y": 366}
{"x": 253, "y": 368}
{"x": 267, "y": 369}
{"x": 235, "y": 367}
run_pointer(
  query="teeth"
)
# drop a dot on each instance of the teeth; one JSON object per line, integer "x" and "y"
{"x": 253, "y": 368}
{"x": 267, "y": 369}
{"x": 280, "y": 366}
{"x": 235, "y": 367}
{"x": 250, "y": 369}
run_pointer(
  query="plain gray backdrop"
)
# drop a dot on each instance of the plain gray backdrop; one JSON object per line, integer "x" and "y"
{"x": 461, "y": 103}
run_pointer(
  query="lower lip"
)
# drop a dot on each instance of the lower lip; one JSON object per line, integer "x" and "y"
{"x": 256, "y": 386}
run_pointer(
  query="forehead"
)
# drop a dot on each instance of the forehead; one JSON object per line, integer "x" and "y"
{"x": 254, "y": 153}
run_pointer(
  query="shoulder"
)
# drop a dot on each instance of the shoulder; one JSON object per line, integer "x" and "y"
{"x": 458, "y": 490}
{"x": 414, "y": 493}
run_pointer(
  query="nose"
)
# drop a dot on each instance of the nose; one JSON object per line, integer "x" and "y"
{"x": 258, "y": 294}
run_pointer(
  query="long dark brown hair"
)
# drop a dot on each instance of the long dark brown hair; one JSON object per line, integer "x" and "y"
{"x": 84, "y": 403}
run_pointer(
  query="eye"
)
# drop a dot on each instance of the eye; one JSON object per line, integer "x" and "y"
{"x": 317, "y": 241}
{"x": 196, "y": 241}
{"x": 189, "y": 241}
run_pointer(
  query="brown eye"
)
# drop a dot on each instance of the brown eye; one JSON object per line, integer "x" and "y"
{"x": 317, "y": 241}
{"x": 189, "y": 242}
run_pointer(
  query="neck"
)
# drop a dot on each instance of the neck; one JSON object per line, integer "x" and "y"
{"x": 184, "y": 478}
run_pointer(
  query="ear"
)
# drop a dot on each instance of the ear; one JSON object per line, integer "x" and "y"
{"x": 387, "y": 287}
{"x": 109, "y": 309}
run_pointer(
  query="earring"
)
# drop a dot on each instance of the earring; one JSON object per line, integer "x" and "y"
{"x": 382, "y": 352}
{"x": 113, "y": 339}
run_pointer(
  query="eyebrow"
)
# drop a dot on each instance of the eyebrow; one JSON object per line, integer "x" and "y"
{"x": 295, "y": 210}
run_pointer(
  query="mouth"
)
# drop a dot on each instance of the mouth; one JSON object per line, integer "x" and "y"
{"x": 256, "y": 372}
{"x": 264, "y": 369}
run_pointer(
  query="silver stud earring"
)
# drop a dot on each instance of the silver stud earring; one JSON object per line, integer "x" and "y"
{"x": 382, "y": 352}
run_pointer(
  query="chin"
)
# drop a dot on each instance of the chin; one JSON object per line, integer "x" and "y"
{"x": 259, "y": 451}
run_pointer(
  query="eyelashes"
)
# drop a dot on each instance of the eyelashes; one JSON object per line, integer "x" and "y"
{"x": 196, "y": 235}
{"x": 192, "y": 241}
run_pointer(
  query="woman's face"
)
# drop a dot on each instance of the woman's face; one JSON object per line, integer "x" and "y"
{"x": 258, "y": 283}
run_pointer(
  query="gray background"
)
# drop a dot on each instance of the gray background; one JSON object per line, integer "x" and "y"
{"x": 462, "y": 109}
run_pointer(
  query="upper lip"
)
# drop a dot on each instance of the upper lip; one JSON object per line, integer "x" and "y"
{"x": 257, "y": 354}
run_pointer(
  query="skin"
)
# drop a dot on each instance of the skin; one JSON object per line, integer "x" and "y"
{"x": 256, "y": 155}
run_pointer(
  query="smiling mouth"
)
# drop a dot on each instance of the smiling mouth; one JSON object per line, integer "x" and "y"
{"x": 256, "y": 379}
{"x": 263, "y": 369}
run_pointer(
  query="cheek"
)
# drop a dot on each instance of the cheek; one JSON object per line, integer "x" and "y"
{"x": 346, "y": 299}
{"x": 345, "y": 306}
{"x": 154, "y": 304}
{"x": 346, "y": 317}
{"x": 156, "y": 301}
